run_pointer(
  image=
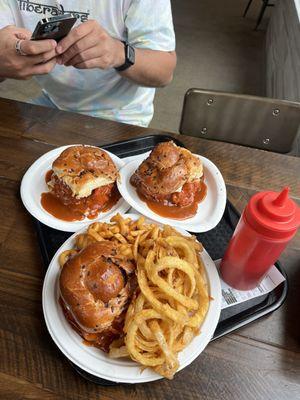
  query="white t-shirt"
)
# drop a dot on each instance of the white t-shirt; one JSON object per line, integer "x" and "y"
{"x": 144, "y": 23}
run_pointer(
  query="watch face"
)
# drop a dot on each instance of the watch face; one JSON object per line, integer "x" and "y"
{"x": 130, "y": 58}
{"x": 130, "y": 54}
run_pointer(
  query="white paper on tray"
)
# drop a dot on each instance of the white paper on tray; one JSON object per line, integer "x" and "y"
{"x": 231, "y": 296}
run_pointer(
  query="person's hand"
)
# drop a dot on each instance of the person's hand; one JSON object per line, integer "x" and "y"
{"x": 90, "y": 46}
{"x": 40, "y": 55}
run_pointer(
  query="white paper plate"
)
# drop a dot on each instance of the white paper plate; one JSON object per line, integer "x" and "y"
{"x": 33, "y": 185}
{"x": 96, "y": 362}
{"x": 210, "y": 210}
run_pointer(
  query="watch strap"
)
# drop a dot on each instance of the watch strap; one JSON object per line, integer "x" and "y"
{"x": 129, "y": 57}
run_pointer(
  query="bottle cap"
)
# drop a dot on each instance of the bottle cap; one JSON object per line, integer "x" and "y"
{"x": 273, "y": 214}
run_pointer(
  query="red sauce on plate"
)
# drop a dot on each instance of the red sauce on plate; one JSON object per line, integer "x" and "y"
{"x": 114, "y": 198}
{"x": 173, "y": 211}
{"x": 101, "y": 199}
{"x": 54, "y": 207}
{"x": 48, "y": 176}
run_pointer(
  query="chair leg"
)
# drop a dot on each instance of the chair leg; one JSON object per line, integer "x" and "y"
{"x": 247, "y": 8}
{"x": 261, "y": 14}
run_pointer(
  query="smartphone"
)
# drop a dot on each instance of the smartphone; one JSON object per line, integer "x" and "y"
{"x": 54, "y": 28}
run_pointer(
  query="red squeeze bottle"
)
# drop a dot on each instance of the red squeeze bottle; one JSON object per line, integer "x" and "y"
{"x": 267, "y": 224}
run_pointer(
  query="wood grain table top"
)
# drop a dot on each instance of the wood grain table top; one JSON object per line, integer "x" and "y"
{"x": 258, "y": 361}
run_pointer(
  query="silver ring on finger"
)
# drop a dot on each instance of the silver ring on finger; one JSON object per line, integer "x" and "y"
{"x": 18, "y": 47}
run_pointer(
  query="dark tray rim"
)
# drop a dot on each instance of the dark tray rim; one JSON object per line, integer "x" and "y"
{"x": 243, "y": 321}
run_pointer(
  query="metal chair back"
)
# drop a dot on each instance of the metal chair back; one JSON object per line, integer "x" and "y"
{"x": 259, "y": 122}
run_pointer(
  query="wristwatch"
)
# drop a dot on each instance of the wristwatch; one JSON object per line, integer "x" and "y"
{"x": 129, "y": 57}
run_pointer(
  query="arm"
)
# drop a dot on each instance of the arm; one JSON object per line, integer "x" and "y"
{"x": 90, "y": 46}
{"x": 152, "y": 68}
{"x": 149, "y": 29}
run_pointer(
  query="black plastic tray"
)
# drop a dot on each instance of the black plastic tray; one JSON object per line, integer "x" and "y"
{"x": 214, "y": 241}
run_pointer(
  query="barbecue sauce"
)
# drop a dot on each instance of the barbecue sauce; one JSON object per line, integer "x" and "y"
{"x": 176, "y": 212}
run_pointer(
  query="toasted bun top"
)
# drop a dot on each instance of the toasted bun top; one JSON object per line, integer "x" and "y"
{"x": 167, "y": 169}
{"x": 85, "y": 168}
{"x": 94, "y": 285}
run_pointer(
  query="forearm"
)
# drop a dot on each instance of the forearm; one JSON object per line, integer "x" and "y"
{"x": 152, "y": 68}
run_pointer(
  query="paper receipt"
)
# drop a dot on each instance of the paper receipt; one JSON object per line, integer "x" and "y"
{"x": 231, "y": 296}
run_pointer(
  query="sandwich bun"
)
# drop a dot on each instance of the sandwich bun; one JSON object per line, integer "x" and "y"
{"x": 167, "y": 169}
{"x": 96, "y": 286}
{"x": 84, "y": 168}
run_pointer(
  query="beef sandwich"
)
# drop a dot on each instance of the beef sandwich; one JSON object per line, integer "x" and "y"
{"x": 96, "y": 286}
{"x": 84, "y": 179}
{"x": 171, "y": 175}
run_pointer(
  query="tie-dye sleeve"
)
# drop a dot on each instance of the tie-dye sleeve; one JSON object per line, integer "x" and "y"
{"x": 6, "y": 15}
{"x": 149, "y": 25}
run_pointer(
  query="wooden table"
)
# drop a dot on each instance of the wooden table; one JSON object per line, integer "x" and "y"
{"x": 259, "y": 361}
